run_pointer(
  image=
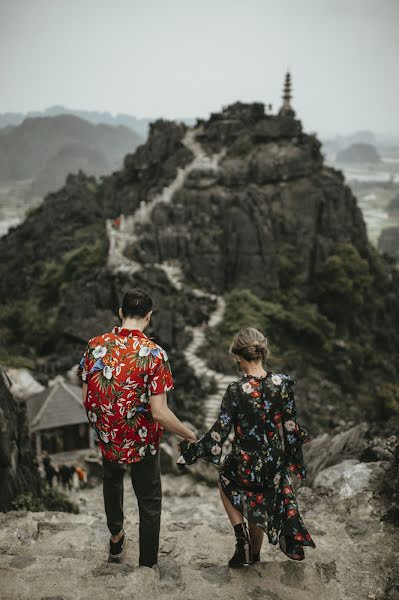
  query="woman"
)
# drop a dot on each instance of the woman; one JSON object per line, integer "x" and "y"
{"x": 255, "y": 480}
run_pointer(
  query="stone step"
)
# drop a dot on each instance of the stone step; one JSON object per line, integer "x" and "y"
{"x": 213, "y": 404}
{"x": 197, "y": 361}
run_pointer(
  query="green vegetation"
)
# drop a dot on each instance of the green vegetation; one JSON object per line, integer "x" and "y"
{"x": 298, "y": 324}
{"x": 290, "y": 268}
{"x": 388, "y": 395}
{"x": 33, "y": 321}
{"x": 341, "y": 286}
{"x": 74, "y": 265}
{"x": 297, "y": 330}
{"x": 242, "y": 146}
{"x": 50, "y": 499}
{"x": 338, "y": 327}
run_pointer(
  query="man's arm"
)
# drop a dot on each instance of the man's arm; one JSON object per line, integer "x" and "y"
{"x": 84, "y": 392}
{"x": 165, "y": 417}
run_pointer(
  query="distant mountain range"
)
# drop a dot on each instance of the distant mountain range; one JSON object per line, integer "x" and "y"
{"x": 360, "y": 153}
{"x": 139, "y": 125}
{"x": 46, "y": 149}
{"x": 383, "y": 142}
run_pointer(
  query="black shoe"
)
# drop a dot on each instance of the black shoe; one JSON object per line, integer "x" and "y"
{"x": 116, "y": 548}
{"x": 243, "y": 554}
{"x": 256, "y": 557}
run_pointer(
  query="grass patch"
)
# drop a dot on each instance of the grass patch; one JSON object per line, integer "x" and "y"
{"x": 50, "y": 499}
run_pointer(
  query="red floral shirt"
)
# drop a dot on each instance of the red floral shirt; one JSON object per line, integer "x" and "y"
{"x": 122, "y": 369}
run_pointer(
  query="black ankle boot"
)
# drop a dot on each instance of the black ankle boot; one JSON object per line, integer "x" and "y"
{"x": 243, "y": 555}
{"x": 256, "y": 557}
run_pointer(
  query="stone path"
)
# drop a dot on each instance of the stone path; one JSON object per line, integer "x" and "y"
{"x": 199, "y": 365}
{"x": 57, "y": 556}
{"x": 125, "y": 235}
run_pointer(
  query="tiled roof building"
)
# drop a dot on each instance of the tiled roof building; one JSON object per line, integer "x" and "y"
{"x": 57, "y": 418}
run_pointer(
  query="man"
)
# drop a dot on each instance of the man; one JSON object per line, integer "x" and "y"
{"x": 125, "y": 379}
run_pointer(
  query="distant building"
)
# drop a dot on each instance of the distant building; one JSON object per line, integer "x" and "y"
{"x": 57, "y": 419}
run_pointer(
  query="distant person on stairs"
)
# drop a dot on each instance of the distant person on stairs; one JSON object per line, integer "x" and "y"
{"x": 255, "y": 477}
{"x": 125, "y": 377}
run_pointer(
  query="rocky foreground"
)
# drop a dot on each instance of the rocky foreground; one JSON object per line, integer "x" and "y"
{"x": 52, "y": 555}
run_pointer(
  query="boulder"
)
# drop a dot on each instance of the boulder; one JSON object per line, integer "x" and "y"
{"x": 326, "y": 450}
{"x": 350, "y": 477}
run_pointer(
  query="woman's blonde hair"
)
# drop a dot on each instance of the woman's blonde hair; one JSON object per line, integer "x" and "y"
{"x": 251, "y": 344}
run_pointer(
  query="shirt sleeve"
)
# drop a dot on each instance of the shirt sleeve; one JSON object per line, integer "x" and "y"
{"x": 85, "y": 364}
{"x": 294, "y": 434}
{"x": 209, "y": 446}
{"x": 160, "y": 377}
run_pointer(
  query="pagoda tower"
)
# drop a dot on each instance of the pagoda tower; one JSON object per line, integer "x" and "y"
{"x": 286, "y": 110}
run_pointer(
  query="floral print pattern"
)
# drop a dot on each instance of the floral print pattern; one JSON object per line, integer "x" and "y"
{"x": 122, "y": 370}
{"x": 256, "y": 474}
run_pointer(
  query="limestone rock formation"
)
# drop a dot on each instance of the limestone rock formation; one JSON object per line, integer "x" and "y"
{"x": 236, "y": 221}
{"x": 18, "y": 472}
{"x": 72, "y": 158}
{"x": 45, "y": 149}
{"x": 239, "y": 212}
{"x": 359, "y": 153}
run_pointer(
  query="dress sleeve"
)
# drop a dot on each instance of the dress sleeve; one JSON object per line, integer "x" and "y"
{"x": 294, "y": 434}
{"x": 209, "y": 446}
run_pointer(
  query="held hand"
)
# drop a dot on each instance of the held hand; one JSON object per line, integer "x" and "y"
{"x": 181, "y": 464}
{"x": 183, "y": 445}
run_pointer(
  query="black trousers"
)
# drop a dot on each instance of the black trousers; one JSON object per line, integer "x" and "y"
{"x": 146, "y": 481}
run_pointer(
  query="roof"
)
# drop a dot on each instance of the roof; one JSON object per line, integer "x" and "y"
{"x": 58, "y": 406}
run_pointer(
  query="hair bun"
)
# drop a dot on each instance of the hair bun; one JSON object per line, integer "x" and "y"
{"x": 251, "y": 344}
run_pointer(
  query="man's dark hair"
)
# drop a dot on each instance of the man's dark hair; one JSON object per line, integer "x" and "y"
{"x": 136, "y": 303}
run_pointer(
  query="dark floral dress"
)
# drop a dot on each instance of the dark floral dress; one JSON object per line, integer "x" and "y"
{"x": 256, "y": 474}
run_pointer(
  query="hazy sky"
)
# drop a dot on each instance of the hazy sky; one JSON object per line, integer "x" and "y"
{"x": 178, "y": 58}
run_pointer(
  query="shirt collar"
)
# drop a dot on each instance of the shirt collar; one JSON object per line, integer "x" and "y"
{"x": 124, "y": 332}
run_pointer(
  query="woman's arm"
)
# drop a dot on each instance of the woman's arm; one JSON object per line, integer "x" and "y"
{"x": 294, "y": 435}
{"x": 209, "y": 446}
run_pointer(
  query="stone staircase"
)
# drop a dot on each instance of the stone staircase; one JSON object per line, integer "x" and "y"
{"x": 126, "y": 234}
{"x": 200, "y": 367}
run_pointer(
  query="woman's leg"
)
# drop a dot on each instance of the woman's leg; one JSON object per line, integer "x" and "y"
{"x": 234, "y": 515}
{"x": 256, "y": 535}
{"x": 242, "y": 555}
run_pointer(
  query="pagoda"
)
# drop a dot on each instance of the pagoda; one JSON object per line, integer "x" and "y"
{"x": 286, "y": 110}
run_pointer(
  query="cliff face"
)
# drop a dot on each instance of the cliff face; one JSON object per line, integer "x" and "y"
{"x": 18, "y": 473}
{"x": 271, "y": 194}
{"x": 234, "y": 222}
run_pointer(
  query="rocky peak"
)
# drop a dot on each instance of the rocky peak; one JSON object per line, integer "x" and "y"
{"x": 249, "y": 120}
